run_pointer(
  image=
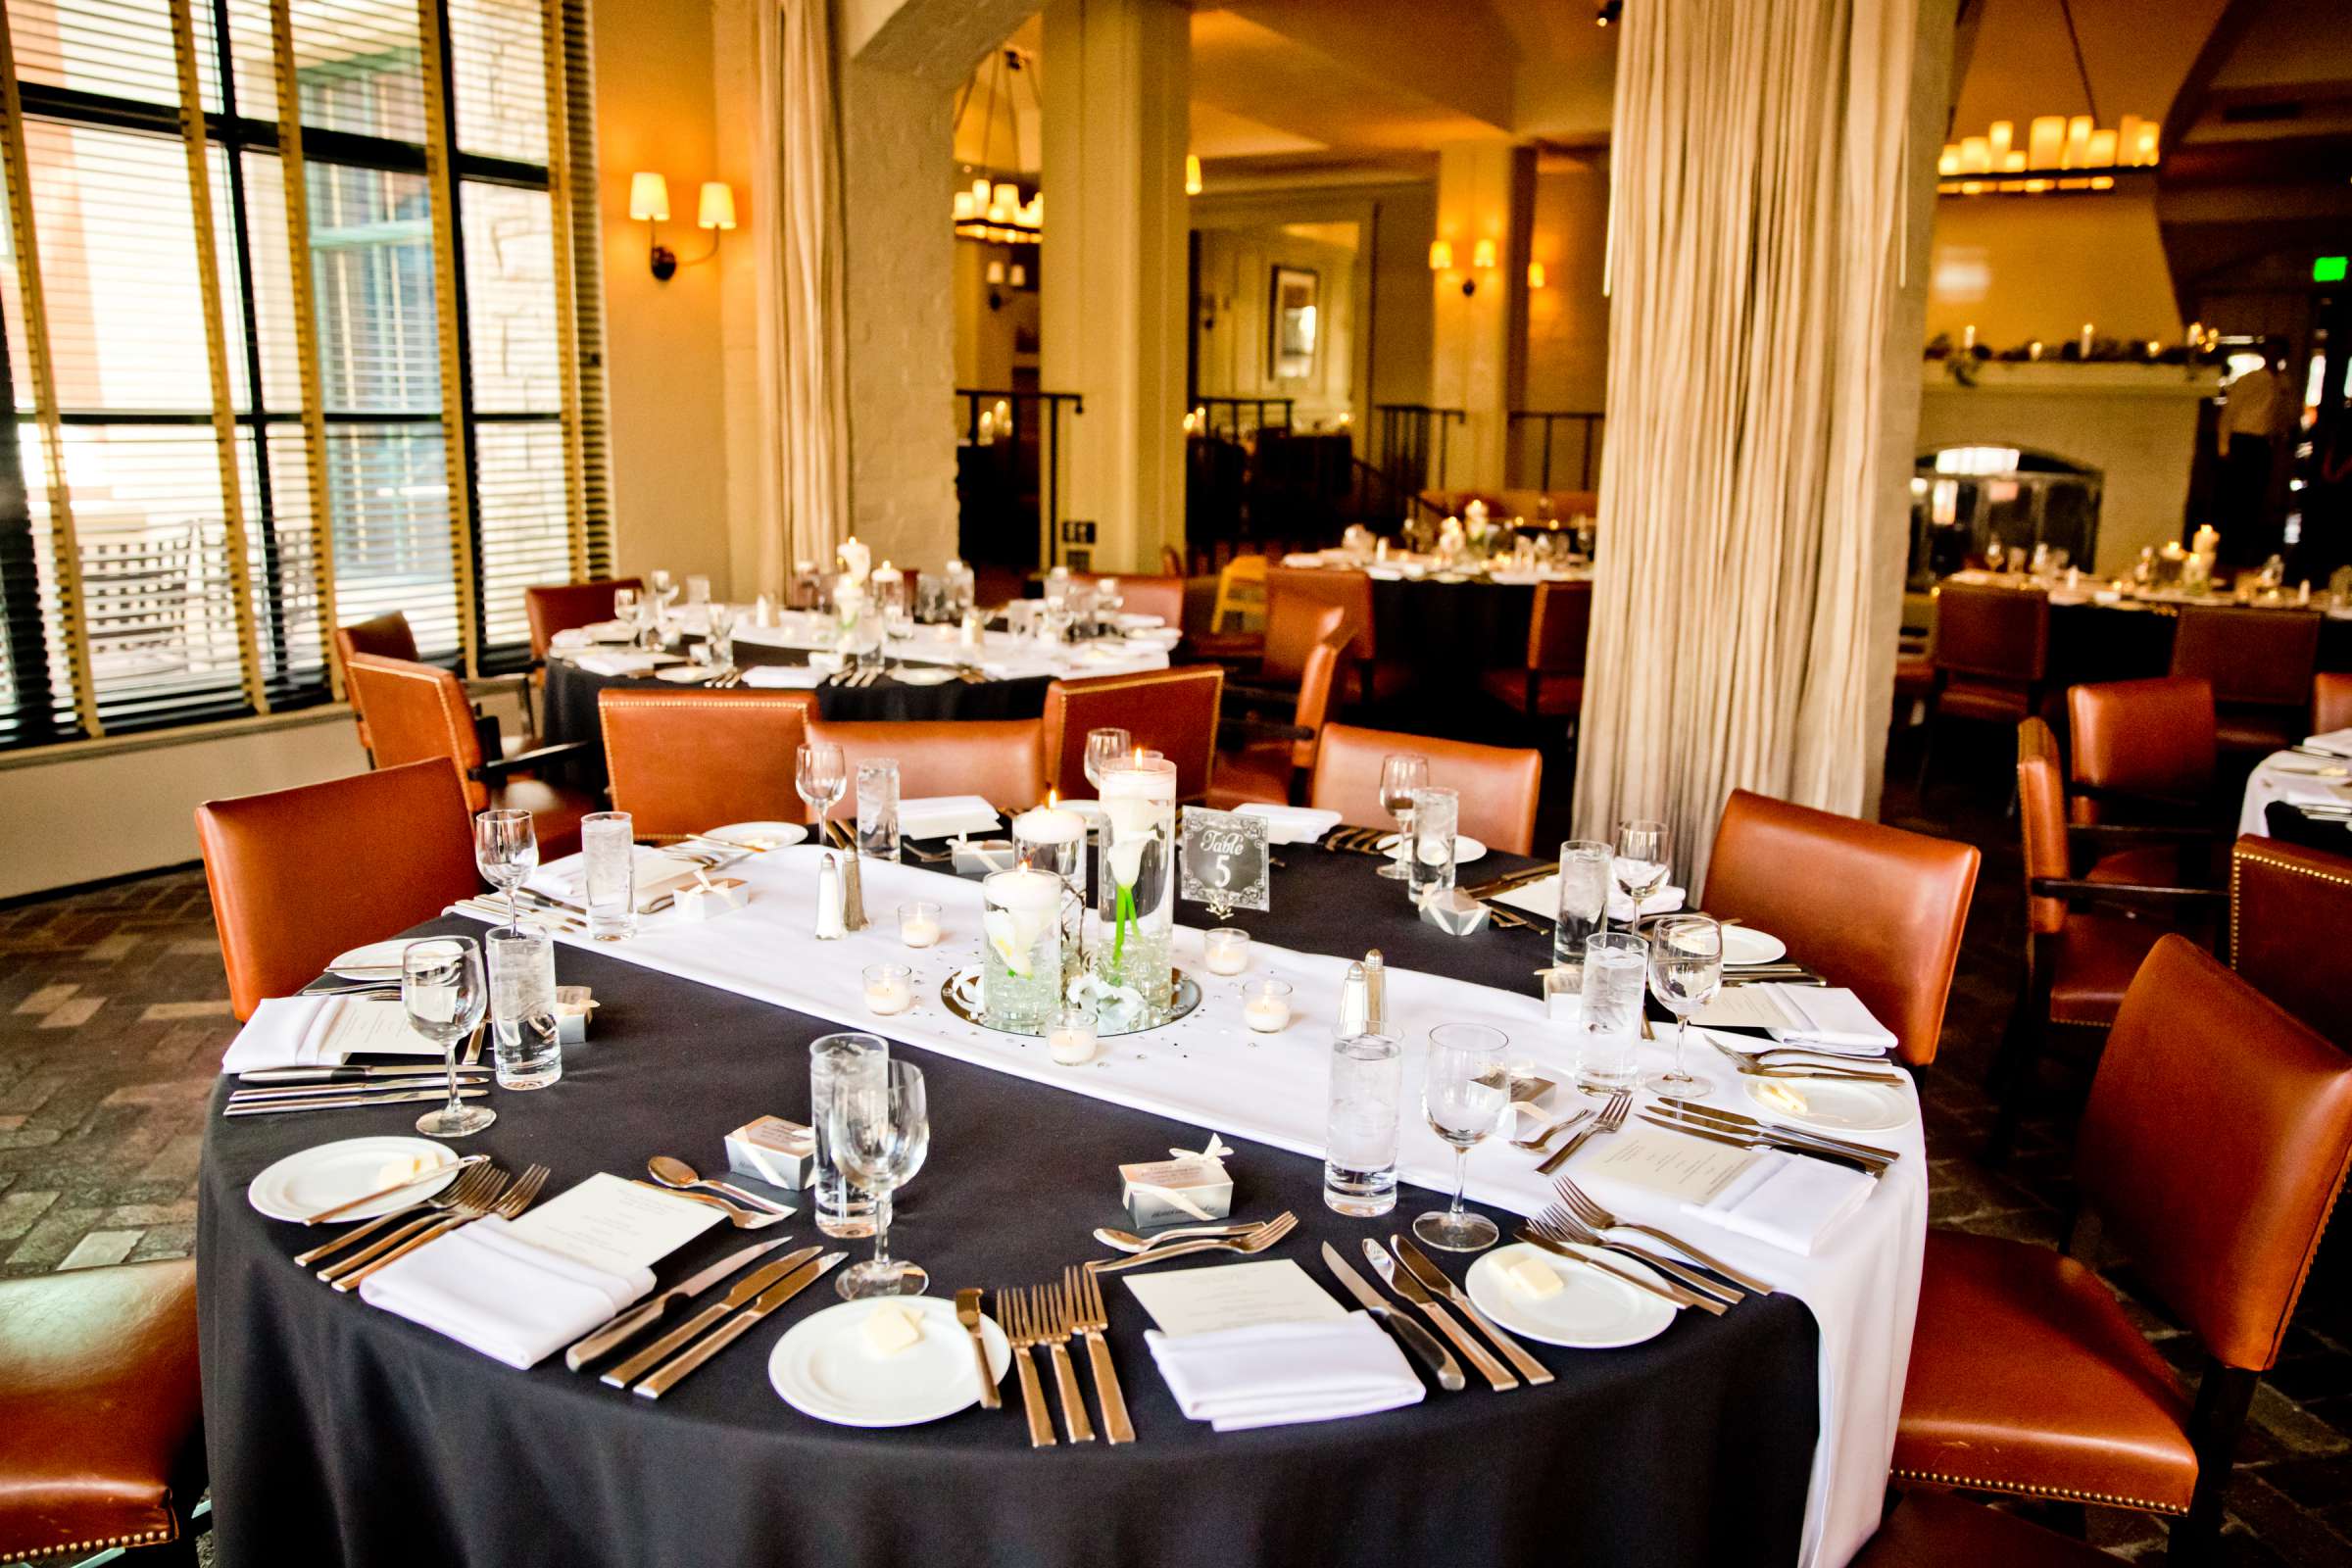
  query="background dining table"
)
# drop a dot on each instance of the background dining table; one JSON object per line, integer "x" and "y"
{"x": 341, "y": 1433}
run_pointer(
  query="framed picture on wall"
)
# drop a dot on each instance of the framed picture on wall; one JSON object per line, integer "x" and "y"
{"x": 1293, "y": 324}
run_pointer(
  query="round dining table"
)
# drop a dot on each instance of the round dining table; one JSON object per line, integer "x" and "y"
{"x": 341, "y": 1433}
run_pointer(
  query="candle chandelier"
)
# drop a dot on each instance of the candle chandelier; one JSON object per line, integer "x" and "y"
{"x": 2060, "y": 152}
{"x": 987, "y": 209}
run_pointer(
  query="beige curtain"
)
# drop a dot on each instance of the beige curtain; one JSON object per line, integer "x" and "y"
{"x": 797, "y": 227}
{"x": 1756, "y": 253}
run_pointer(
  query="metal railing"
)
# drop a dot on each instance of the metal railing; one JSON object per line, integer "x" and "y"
{"x": 1410, "y": 442}
{"x": 1221, "y": 417}
{"x": 1536, "y": 437}
{"x": 1008, "y": 474}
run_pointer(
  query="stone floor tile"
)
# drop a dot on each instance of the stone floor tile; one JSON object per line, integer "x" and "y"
{"x": 98, "y": 1248}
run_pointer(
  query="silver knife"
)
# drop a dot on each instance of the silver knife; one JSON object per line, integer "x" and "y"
{"x": 352, "y": 1090}
{"x": 734, "y": 1328}
{"x": 340, "y": 1075}
{"x": 269, "y": 1107}
{"x": 1771, "y": 1129}
{"x": 622, "y": 1376}
{"x": 1405, "y": 1285}
{"x": 1736, "y": 1140}
{"x": 1417, "y": 1264}
{"x": 618, "y": 1327}
{"x": 1439, "y": 1359}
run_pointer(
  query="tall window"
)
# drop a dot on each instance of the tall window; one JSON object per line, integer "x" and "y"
{"x": 219, "y": 458}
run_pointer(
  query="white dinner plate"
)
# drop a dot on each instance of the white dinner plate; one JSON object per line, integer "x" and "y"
{"x": 370, "y": 962}
{"x": 825, "y": 1368}
{"x": 1466, "y": 848}
{"x": 922, "y": 676}
{"x": 760, "y": 835}
{"x": 1744, "y": 943}
{"x": 1590, "y": 1311}
{"x": 318, "y": 1178}
{"x": 1830, "y": 1104}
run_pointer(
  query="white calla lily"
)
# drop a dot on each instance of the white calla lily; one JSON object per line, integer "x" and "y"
{"x": 1013, "y": 934}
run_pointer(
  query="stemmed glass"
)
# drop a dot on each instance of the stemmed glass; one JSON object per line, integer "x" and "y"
{"x": 506, "y": 850}
{"x": 878, "y": 1133}
{"x": 1104, "y": 747}
{"x": 898, "y": 625}
{"x": 1462, "y": 1094}
{"x": 1402, "y": 773}
{"x": 1686, "y": 969}
{"x": 822, "y": 777}
{"x": 624, "y": 606}
{"x": 442, "y": 990}
{"x": 1639, "y": 865}
{"x": 722, "y": 627}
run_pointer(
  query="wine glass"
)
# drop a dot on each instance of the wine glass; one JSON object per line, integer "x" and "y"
{"x": 898, "y": 625}
{"x": 663, "y": 586}
{"x": 624, "y": 606}
{"x": 722, "y": 627}
{"x": 1639, "y": 865}
{"x": 1686, "y": 969}
{"x": 506, "y": 849}
{"x": 822, "y": 777}
{"x": 1462, "y": 1094}
{"x": 442, "y": 990}
{"x": 1402, "y": 773}
{"x": 1104, "y": 747}
{"x": 879, "y": 1133}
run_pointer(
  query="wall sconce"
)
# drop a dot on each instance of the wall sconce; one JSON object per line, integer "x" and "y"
{"x": 1441, "y": 255}
{"x": 648, "y": 203}
{"x": 1481, "y": 256}
{"x": 1192, "y": 173}
{"x": 994, "y": 277}
{"x": 1020, "y": 275}
{"x": 1534, "y": 274}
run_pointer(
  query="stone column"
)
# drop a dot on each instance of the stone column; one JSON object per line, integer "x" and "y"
{"x": 1485, "y": 194}
{"x": 1114, "y": 270}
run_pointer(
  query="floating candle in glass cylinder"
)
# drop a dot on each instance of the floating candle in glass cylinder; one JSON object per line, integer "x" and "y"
{"x": 1136, "y": 896}
{"x": 1021, "y": 963}
{"x": 1051, "y": 839}
{"x": 1266, "y": 1005}
{"x": 1227, "y": 950}
{"x": 889, "y": 988}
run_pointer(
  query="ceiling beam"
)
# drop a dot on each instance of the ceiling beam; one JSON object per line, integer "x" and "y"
{"x": 1460, "y": 56}
{"x": 2228, "y": 31}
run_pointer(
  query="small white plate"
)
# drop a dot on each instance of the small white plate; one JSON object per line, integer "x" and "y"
{"x": 686, "y": 674}
{"x": 1466, "y": 848}
{"x": 822, "y": 1367}
{"x": 760, "y": 835}
{"x": 315, "y": 1179}
{"x": 1830, "y": 1104}
{"x": 922, "y": 676}
{"x": 1744, "y": 943}
{"x": 371, "y": 962}
{"x": 1590, "y": 1311}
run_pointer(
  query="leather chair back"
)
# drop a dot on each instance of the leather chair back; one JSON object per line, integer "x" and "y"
{"x": 300, "y": 875}
{"x": 1499, "y": 786}
{"x": 999, "y": 759}
{"x": 2041, "y": 815}
{"x": 2290, "y": 909}
{"x": 2213, "y": 1148}
{"x": 560, "y": 606}
{"x": 1145, "y": 596}
{"x": 1352, "y": 590}
{"x": 2263, "y": 656}
{"x": 387, "y": 636}
{"x": 1172, "y": 712}
{"x": 416, "y": 711}
{"x": 684, "y": 761}
{"x": 2141, "y": 737}
{"x": 2000, "y": 634}
{"x": 1316, "y": 682}
{"x": 1872, "y": 908}
{"x": 1556, "y": 636}
{"x": 2331, "y": 701}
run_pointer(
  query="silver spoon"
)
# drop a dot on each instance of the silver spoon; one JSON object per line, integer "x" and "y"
{"x": 673, "y": 1172}
{"x": 1129, "y": 1242}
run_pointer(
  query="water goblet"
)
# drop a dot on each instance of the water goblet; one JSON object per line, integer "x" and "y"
{"x": 822, "y": 777}
{"x": 444, "y": 994}
{"x": 1640, "y": 864}
{"x": 1402, "y": 773}
{"x": 1686, "y": 969}
{"x": 879, "y": 1134}
{"x": 1104, "y": 747}
{"x": 506, "y": 850}
{"x": 624, "y": 606}
{"x": 1464, "y": 1092}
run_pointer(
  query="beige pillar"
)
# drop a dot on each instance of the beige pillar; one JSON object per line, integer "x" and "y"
{"x": 1486, "y": 196}
{"x": 1113, "y": 275}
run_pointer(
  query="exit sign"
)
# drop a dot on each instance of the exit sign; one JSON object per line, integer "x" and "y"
{"x": 2327, "y": 269}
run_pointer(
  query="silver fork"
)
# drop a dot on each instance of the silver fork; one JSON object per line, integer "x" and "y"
{"x": 1611, "y": 1119}
{"x": 1012, "y": 1317}
{"x": 1536, "y": 1143}
{"x": 460, "y": 1191}
{"x": 1558, "y": 1224}
{"x": 472, "y": 1205}
{"x": 1582, "y": 1205}
{"x": 1273, "y": 1231}
{"x": 509, "y": 1205}
{"x": 1089, "y": 1317}
{"x": 1049, "y": 1317}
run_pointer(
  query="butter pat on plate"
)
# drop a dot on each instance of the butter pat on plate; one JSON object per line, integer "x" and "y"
{"x": 1532, "y": 1278}
{"x": 890, "y": 1330}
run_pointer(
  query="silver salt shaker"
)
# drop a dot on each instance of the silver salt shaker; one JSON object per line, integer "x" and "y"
{"x": 1355, "y": 1003}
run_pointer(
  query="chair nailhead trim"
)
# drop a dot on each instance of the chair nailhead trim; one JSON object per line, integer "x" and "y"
{"x": 2027, "y": 1489}
{"x": 143, "y": 1538}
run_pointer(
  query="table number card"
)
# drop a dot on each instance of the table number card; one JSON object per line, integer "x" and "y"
{"x": 1223, "y": 861}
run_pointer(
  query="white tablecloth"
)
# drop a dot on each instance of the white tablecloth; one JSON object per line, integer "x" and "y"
{"x": 1000, "y": 654}
{"x": 2291, "y": 776}
{"x": 1862, "y": 1284}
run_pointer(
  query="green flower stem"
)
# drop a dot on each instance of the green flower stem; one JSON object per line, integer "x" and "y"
{"x": 1122, "y": 911}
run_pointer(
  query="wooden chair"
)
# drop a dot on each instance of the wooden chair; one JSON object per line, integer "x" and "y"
{"x": 2290, "y": 909}
{"x": 999, "y": 759}
{"x": 2259, "y": 664}
{"x": 551, "y": 608}
{"x": 2027, "y": 1376}
{"x": 1926, "y": 1528}
{"x": 1552, "y": 683}
{"x": 1868, "y": 906}
{"x": 1258, "y": 761}
{"x": 1172, "y": 712}
{"x": 1237, "y": 616}
{"x": 686, "y": 761}
{"x": 1992, "y": 654}
{"x": 2331, "y": 701}
{"x": 1363, "y": 675}
{"x": 1171, "y": 563}
{"x": 300, "y": 875}
{"x": 418, "y": 712}
{"x": 1499, "y": 786}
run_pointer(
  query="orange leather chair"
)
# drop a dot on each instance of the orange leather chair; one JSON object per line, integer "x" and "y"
{"x": 1992, "y": 652}
{"x": 1936, "y": 1530}
{"x": 300, "y": 875}
{"x": 1171, "y": 712}
{"x": 101, "y": 1418}
{"x": 683, "y": 762}
{"x": 2259, "y": 664}
{"x": 2212, "y": 1149}
{"x": 999, "y": 759}
{"x": 2289, "y": 907}
{"x": 1499, "y": 786}
{"x": 552, "y": 607}
{"x": 1551, "y": 684}
{"x": 2141, "y": 748}
{"x": 384, "y": 636}
{"x": 418, "y": 712}
{"x": 1362, "y": 675}
{"x": 2085, "y": 936}
{"x": 2331, "y": 701}
{"x": 1869, "y": 906}
{"x": 1258, "y": 761}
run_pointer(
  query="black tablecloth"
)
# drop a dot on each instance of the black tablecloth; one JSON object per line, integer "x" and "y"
{"x": 1449, "y": 631}
{"x": 338, "y": 1434}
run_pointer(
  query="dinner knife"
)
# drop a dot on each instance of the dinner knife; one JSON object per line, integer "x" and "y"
{"x": 622, "y": 1376}
{"x": 439, "y": 1174}
{"x": 352, "y": 1090}
{"x": 1416, "y": 1263}
{"x": 1405, "y": 1285}
{"x": 620, "y": 1325}
{"x": 1773, "y": 1129}
{"x": 1732, "y": 1140}
{"x": 348, "y": 1074}
{"x": 270, "y": 1108}
{"x": 734, "y": 1328}
{"x": 1418, "y": 1339}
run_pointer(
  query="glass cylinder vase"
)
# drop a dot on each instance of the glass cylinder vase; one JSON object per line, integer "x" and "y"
{"x": 1136, "y": 893}
{"x": 1020, "y": 962}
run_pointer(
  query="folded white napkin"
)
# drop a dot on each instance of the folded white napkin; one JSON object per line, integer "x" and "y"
{"x": 495, "y": 1293}
{"x": 1385, "y": 573}
{"x": 1292, "y": 824}
{"x": 2336, "y": 742}
{"x": 1304, "y": 558}
{"x": 783, "y": 677}
{"x": 1831, "y": 1017}
{"x": 287, "y": 1032}
{"x": 1132, "y": 621}
{"x": 1278, "y": 1374}
{"x": 567, "y": 878}
{"x": 571, "y": 637}
{"x": 623, "y": 664}
{"x": 938, "y": 817}
{"x": 686, "y": 674}
{"x": 1665, "y": 901}
{"x": 1787, "y": 1200}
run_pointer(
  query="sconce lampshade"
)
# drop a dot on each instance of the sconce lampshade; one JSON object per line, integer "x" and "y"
{"x": 1534, "y": 274}
{"x": 966, "y": 210}
{"x": 649, "y": 198}
{"x": 1192, "y": 173}
{"x": 996, "y": 271}
{"x": 1481, "y": 255}
{"x": 1020, "y": 275}
{"x": 1441, "y": 255}
{"x": 718, "y": 204}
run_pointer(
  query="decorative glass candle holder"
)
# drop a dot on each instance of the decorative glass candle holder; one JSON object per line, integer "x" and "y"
{"x": 1227, "y": 950}
{"x": 1072, "y": 1041}
{"x": 1266, "y": 1005}
{"x": 889, "y": 988}
{"x": 1051, "y": 839}
{"x": 918, "y": 923}
{"x": 1136, "y": 890}
{"x": 1020, "y": 962}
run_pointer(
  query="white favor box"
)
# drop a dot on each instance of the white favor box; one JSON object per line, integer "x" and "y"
{"x": 774, "y": 1151}
{"x": 699, "y": 903}
{"x": 1205, "y": 1183}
